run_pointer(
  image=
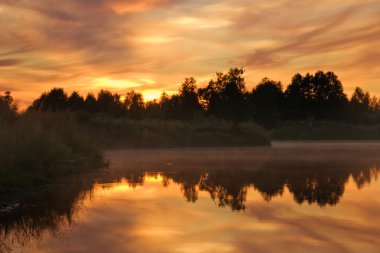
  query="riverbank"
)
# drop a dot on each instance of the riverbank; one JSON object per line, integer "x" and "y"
{"x": 38, "y": 148}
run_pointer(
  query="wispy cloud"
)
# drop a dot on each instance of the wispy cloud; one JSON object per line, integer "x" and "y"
{"x": 74, "y": 43}
{"x": 9, "y": 62}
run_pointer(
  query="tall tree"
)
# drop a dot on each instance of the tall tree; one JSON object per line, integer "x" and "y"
{"x": 318, "y": 96}
{"x": 267, "y": 99}
{"x": 153, "y": 110}
{"x": 225, "y": 96}
{"x": 134, "y": 104}
{"x": 360, "y": 100}
{"x": 90, "y": 103}
{"x": 188, "y": 99}
{"x": 75, "y": 102}
{"x": 329, "y": 97}
{"x": 54, "y": 100}
{"x": 364, "y": 108}
{"x": 109, "y": 103}
{"x": 8, "y": 109}
{"x": 299, "y": 97}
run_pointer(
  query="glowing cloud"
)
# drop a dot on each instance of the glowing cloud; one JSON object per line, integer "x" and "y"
{"x": 122, "y": 7}
{"x": 116, "y": 44}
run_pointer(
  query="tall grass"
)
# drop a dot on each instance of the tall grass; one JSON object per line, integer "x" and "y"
{"x": 37, "y": 147}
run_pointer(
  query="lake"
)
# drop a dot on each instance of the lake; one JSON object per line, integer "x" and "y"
{"x": 291, "y": 197}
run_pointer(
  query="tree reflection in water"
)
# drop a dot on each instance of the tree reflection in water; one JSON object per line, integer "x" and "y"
{"x": 42, "y": 211}
{"x": 322, "y": 183}
{"x": 228, "y": 187}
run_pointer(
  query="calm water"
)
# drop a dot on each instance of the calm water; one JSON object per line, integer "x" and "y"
{"x": 292, "y": 197}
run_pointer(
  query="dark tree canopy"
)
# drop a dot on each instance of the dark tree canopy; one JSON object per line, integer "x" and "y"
{"x": 109, "y": 103}
{"x": 361, "y": 100}
{"x": 90, "y": 103}
{"x": 225, "y": 96}
{"x": 188, "y": 99}
{"x": 134, "y": 104}
{"x": 267, "y": 100}
{"x": 318, "y": 96}
{"x": 54, "y": 100}
{"x": 75, "y": 101}
{"x": 299, "y": 97}
{"x": 329, "y": 97}
{"x": 8, "y": 109}
{"x": 363, "y": 106}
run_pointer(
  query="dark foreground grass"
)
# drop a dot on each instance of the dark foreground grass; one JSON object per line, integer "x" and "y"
{"x": 305, "y": 130}
{"x": 38, "y": 148}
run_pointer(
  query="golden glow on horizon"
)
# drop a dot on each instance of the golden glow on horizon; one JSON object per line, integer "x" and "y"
{"x": 150, "y": 95}
{"x": 106, "y": 82}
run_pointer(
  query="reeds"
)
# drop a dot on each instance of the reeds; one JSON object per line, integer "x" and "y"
{"x": 37, "y": 147}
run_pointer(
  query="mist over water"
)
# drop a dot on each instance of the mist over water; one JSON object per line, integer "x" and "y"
{"x": 309, "y": 196}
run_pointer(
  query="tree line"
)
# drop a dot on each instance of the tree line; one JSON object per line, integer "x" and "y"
{"x": 315, "y": 97}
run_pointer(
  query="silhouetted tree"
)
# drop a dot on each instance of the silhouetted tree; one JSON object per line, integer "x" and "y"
{"x": 363, "y": 107}
{"x": 319, "y": 96}
{"x": 299, "y": 97}
{"x": 90, "y": 103}
{"x": 8, "y": 109}
{"x": 225, "y": 97}
{"x": 134, "y": 104}
{"x": 153, "y": 110}
{"x": 55, "y": 100}
{"x": 329, "y": 97}
{"x": 170, "y": 106}
{"x": 267, "y": 99}
{"x": 109, "y": 103}
{"x": 360, "y": 100}
{"x": 75, "y": 102}
{"x": 188, "y": 99}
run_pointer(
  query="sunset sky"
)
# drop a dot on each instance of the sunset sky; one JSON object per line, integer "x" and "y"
{"x": 151, "y": 45}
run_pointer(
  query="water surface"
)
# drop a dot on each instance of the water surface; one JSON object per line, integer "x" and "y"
{"x": 292, "y": 197}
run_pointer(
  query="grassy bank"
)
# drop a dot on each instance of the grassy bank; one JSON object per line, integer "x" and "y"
{"x": 126, "y": 133}
{"x": 37, "y": 148}
{"x": 304, "y": 130}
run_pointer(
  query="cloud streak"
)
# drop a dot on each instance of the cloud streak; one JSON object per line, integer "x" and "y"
{"x": 9, "y": 62}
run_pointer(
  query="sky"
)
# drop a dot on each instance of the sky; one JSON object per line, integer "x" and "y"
{"x": 152, "y": 45}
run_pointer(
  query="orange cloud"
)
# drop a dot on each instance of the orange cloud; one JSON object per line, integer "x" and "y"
{"x": 74, "y": 44}
{"x": 122, "y": 7}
